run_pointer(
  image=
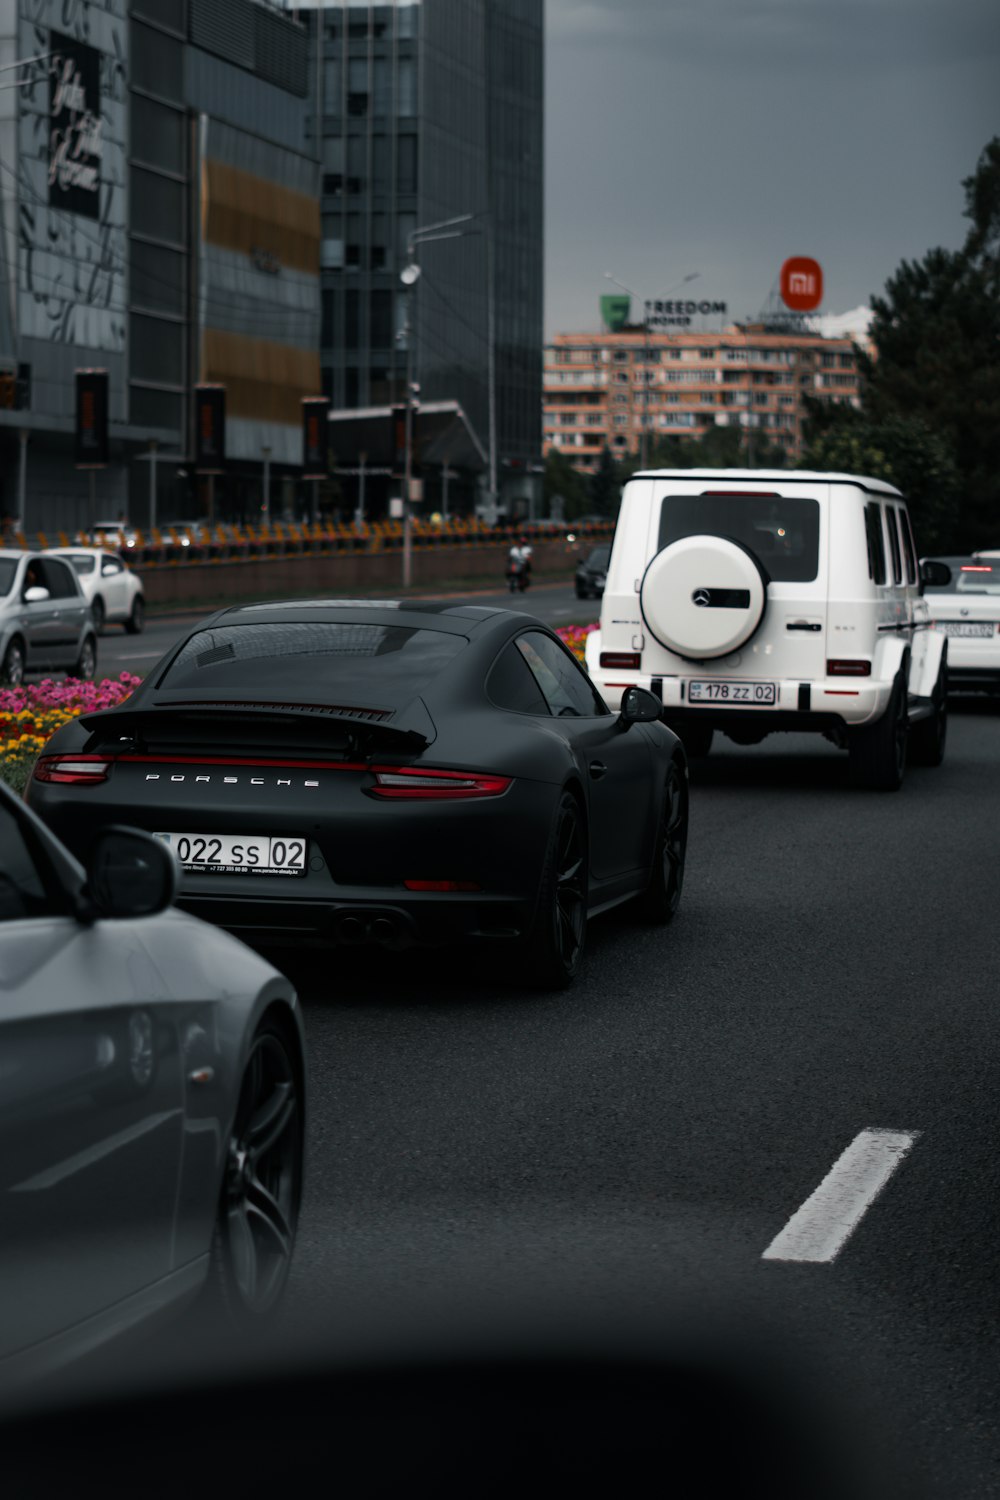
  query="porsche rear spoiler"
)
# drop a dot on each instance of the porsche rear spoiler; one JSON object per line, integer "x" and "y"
{"x": 212, "y": 721}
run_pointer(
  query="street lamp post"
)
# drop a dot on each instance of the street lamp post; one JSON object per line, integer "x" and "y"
{"x": 267, "y": 484}
{"x": 445, "y": 229}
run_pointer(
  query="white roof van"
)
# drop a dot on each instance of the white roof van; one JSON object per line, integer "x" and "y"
{"x": 755, "y": 600}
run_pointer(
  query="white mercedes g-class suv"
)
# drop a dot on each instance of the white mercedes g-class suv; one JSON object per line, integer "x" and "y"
{"x": 757, "y": 600}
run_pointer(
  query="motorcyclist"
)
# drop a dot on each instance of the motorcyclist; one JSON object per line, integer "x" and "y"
{"x": 519, "y": 562}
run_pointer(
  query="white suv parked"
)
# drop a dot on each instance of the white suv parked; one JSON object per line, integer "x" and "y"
{"x": 757, "y": 600}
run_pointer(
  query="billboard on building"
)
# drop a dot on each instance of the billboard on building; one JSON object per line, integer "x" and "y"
{"x": 802, "y": 283}
{"x": 210, "y": 429}
{"x": 615, "y": 310}
{"x": 75, "y": 126}
{"x": 315, "y": 437}
{"x": 91, "y": 419}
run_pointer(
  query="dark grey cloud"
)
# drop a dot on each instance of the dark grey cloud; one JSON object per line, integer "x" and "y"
{"x": 723, "y": 135}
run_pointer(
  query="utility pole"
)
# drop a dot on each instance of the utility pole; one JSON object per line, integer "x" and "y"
{"x": 644, "y": 429}
{"x": 445, "y": 229}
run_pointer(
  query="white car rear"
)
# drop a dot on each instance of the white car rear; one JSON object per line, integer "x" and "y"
{"x": 967, "y": 611}
{"x": 758, "y": 600}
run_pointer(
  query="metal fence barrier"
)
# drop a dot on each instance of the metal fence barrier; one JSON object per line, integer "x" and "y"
{"x": 170, "y": 547}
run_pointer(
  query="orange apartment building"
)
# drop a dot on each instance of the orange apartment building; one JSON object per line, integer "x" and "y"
{"x": 603, "y": 389}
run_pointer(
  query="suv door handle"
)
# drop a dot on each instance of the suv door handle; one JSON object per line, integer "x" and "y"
{"x": 597, "y": 769}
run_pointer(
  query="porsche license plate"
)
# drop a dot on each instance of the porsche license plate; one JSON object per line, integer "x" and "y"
{"x": 747, "y": 694}
{"x": 238, "y": 854}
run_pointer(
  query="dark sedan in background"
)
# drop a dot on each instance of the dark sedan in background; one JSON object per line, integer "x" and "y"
{"x": 592, "y": 573}
{"x": 350, "y": 772}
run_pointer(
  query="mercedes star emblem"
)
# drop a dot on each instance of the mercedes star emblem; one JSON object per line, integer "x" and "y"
{"x": 701, "y": 597}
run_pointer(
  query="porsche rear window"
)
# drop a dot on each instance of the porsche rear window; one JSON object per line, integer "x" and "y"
{"x": 320, "y": 661}
{"x": 782, "y": 531}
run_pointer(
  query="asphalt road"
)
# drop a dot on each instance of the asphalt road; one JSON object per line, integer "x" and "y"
{"x": 627, "y": 1152}
{"x": 631, "y": 1148}
{"x": 118, "y": 652}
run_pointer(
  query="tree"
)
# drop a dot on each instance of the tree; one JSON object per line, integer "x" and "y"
{"x": 606, "y": 486}
{"x": 930, "y": 397}
{"x": 560, "y": 478}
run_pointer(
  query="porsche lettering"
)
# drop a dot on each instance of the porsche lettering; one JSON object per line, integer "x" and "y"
{"x": 231, "y": 780}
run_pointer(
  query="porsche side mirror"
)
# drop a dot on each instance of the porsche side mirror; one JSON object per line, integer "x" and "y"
{"x": 934, "y": 574}
{"x": 130, "y": 874}
{"x": 639, "y": 706}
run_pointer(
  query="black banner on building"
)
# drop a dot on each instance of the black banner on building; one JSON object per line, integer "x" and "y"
{"x": 315, "y": 437}
{"x": 397, "y": 440}
{"x": 91, "y": 419}
{"x": 75, "y": 144}
{"x": 210, "y": 429}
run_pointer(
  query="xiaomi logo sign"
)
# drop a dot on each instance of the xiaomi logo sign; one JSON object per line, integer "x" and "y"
{"x": 802, "y": 283}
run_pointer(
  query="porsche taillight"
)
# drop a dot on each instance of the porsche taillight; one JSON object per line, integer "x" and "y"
{"x": 73, "y": 770}
{"x": 416, "y": 783}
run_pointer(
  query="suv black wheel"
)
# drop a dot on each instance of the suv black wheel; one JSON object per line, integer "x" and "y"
{"x": 696, "y": 739}
{"x": 929, "y": 736}
{"x": 552, "y": 955}
{"x": 262, "y": 1188}
{"x": 661, "y": 898}
{"x": 878, "y": 752}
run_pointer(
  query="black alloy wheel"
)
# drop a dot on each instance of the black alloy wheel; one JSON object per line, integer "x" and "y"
{"x": 878, "y": 752}
{"x": 259, "y": 1206}
{"x": 12, "y": 671}
{"x": 86, "y": 664}
{"x": 137, "y": 619}
{"x": 929, "y": 736}
{"x": 555, "y": 948}
{"x": 98, "y": 614}
{"x": 661, "y": 898}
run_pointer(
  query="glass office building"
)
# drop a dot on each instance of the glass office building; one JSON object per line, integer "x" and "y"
{"x": 427, "y": 111}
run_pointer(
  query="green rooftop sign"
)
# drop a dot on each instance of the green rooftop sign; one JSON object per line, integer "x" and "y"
{"x": 615, "y": 310}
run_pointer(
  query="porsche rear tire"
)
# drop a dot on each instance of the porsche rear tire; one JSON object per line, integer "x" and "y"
{"x": 659, "y": 901}
{"x": 553, "y": 953}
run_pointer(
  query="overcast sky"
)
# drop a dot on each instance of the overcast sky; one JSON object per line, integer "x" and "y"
{"x": 721, "y": 136}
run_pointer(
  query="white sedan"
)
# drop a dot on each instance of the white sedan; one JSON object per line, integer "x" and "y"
{"x": 967, "y": 610}
{"x": 113, "y": 592}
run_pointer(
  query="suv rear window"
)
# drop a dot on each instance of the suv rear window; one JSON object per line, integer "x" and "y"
{"x": 782, "y": 531}
{"x": 314, "y": 662}
{"x": 970, "y": 576}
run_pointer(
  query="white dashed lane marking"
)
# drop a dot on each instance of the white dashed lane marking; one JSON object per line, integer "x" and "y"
{"x": 819, "y": 1230}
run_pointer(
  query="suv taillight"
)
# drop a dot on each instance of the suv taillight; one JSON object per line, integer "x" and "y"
{"x": 627, "y": 659}
{"x": 840, "y": 667}
{"x": 73, "y": 770}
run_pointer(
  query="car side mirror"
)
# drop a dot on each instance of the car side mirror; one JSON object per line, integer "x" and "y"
{"x": 130, "y": 874}
{"x": 639, "y": 706}
{"x": 36, "y": 594}
{"x": 934, "y": 574}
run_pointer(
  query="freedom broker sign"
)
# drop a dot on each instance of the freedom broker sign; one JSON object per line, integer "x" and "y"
{"x": 678, "y": 314}
{"x": 75, "y": 147}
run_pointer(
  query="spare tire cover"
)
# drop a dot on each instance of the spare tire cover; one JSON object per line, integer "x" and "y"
{"x": 703, "y": 596}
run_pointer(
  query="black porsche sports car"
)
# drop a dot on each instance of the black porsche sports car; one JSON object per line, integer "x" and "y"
{"x": 396, "y": 773}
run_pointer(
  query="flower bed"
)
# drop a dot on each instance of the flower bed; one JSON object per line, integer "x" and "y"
{"x": 30, "y": 715}
{"x": 575, "y": 637}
